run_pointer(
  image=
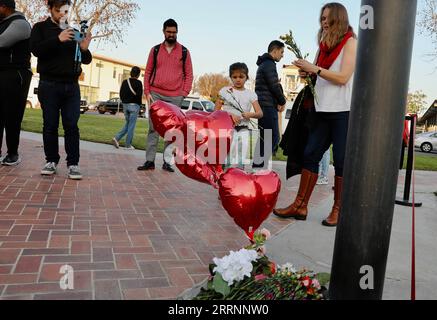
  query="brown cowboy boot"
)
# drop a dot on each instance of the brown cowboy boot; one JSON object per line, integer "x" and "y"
{"x": 332, "y": 220}
{"x": 299, "y": 209}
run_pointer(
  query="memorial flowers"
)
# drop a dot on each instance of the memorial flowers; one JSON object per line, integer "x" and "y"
{"x": 249, "y": 275}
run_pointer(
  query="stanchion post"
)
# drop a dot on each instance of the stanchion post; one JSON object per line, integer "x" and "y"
{"x": 410, "y": 163}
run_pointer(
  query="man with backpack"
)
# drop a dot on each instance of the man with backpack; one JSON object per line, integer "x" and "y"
{"x": 169, "y": 78}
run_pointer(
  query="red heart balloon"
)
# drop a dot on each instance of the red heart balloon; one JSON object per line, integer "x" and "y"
{"x": 249, "y": 198}
{"x": 212, "y": 133}
{"x": 207, "y": 143}
{"x": 166, "y": 118}
{"x": 197, "y": 169}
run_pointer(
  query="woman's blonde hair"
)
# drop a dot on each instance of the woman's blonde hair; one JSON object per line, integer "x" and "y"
{"x": 338, "y": 20}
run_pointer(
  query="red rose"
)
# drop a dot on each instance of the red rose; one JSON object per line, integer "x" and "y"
{"x": 306, "y": 281}
{"x": 311, "y": 291}
{"x": 273, "y": 268}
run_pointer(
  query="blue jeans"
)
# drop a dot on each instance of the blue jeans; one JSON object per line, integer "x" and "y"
{"x": 268, "y": 122}
{"x": 131, "y": 111}
{"x": 324, "y": 164}
{"x": 60, "y": 98}
{"x": 331, "y": 128}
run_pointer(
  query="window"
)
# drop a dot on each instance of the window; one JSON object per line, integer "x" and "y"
{"x": 185, "y": 105}
{"x": 90, "y": 94}
{"x": 288, "y": 114}
{"x": 209, "y": 106}
{"x": 197, "y": 106}
{"x": 126, "y": 75}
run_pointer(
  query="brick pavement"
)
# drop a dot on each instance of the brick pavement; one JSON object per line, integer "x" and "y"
{"x": 127, "y": 234}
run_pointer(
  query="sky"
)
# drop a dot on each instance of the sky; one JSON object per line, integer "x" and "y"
{"x": 221, "y": 32}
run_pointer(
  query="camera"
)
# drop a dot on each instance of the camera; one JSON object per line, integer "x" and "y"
{"x": 79, "y": 36}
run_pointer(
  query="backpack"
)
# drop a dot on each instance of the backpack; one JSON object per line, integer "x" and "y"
{"x": 155, "y": 62}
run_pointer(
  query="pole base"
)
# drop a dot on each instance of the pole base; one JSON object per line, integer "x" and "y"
{"x": 407, "y": 203}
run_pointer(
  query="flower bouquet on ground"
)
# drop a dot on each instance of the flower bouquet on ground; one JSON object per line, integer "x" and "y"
{"x": 249, "y": 275}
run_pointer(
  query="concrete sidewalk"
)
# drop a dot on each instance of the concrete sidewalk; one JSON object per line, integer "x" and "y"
{"x": 309, "y": 244}
{"x": 127, "y": 234}
{"x": 136, "y": 235}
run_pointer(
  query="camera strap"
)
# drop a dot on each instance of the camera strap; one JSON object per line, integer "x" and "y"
{"x": 77, "y": 58}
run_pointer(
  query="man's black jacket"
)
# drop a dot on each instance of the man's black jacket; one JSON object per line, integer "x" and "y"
{"x": 267, "y": 87}
{"x": 55, "y": 59}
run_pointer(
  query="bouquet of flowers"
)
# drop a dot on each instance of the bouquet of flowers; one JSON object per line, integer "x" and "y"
{"x": 233, "y": 103}
{"x": 249, "y": 275}
{"x": 291, "y": 44}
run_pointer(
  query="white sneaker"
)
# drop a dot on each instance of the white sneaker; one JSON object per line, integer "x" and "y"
{"x": 322, "y": 181}
{"x": 115, "y": 143}
{"x": 130, "y": 148}
{"x": 49, "y": 169}
{"x": 74, "y": 173}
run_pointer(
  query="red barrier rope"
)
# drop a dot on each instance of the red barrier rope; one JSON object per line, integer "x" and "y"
{"x": 413, "y": 254}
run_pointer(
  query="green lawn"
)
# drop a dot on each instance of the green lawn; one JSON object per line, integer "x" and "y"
{"x": 97, "y": 128}
{"x": 94, "y": 128}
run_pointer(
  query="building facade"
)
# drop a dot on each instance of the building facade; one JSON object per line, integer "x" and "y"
{"x": 291, "y": 82}
{"x": 429, "y": 118}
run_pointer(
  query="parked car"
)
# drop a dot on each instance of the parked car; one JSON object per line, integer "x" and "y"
{"x": 83, "y": 106}
{"x": 197, "y": 104}
{"x": 427, "y": 142}
{"x": 114, "y": 105}
{"x": 92, "y": 106}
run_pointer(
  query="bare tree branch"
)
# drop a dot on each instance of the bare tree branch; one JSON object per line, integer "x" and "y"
{"x": 210, "y": 84}
{"x": 107, "y": 19}
{"x": 416, "y": 102}
{"x": 428, "y": 23}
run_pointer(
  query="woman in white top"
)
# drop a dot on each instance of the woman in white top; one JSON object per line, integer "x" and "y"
{"x": 334, "y": 69}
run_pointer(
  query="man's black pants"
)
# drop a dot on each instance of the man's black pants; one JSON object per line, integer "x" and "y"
{"x": 14, "y": 88}
{"x": 60, "y": 98}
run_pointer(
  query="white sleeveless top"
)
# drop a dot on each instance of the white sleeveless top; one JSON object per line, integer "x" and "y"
{"x": 332, "y": 97}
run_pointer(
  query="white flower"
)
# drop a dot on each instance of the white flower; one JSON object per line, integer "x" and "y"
{"x": 288, "y": 267}
{"x": 236, "y": 266}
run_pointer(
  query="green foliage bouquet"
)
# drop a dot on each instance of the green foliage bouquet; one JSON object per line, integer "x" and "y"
{"x": 249, "y": 275}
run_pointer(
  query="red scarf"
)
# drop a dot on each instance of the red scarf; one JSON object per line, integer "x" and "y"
{"x": 327, "y": 57}
{"x": 325, "y": 60}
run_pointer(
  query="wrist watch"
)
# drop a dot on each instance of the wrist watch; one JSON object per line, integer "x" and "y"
{"x": 319, "y": 72}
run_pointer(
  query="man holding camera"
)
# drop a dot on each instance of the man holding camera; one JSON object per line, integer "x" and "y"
{"x": 60, "y": 54}
{"x": 15, "y": 77}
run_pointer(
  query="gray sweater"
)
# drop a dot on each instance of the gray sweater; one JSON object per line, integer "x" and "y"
{"x": 17, "y": 31}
